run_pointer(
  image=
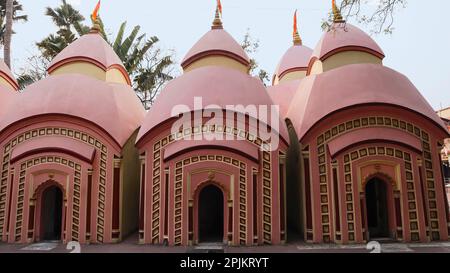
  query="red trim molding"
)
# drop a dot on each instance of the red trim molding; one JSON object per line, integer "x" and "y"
{"x": 221, "y": 53}
{"x": 290, "y": 70}
{"x": 54, "y": 144}
{"x": 12, "y": 82}
{"x": 352, "y": 48}
{"x": 91, "y": 61}
{"x": 343, "y": 49}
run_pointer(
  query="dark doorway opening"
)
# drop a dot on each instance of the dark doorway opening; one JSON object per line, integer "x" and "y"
{"x": 211, "y": 214}
{"x": 51, "y": 214}
{"x": 377, "y": 209}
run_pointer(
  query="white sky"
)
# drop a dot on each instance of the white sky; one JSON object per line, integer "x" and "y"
{"x": 418, "y": 47}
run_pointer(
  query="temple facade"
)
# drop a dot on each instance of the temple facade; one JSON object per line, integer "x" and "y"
{"x": 67, "y": 150}
{"x": 339, "y": 149}
{"x": 216, "y": 177}
{"x": 367, "y": 144}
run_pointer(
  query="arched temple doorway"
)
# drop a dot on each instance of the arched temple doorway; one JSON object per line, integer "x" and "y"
{"x": 377, "y": 208}
{"x": 51, "y": 214}
{"x": 211, "y": 214}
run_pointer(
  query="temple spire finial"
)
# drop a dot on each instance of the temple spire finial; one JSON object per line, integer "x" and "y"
{"x": 95, "y": 19}
{"x": 296, "y": 35}
{"x": 217, "y": 23}
{"x": 337, "y": 16}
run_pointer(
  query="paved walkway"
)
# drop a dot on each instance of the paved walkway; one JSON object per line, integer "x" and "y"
{"x": 130, "y": 246}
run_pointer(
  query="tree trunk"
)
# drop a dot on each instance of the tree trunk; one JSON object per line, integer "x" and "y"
{"x": 8, "y": 33}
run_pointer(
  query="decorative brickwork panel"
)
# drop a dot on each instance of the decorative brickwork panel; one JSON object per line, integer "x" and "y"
{"x": 410, "y": 186}
{"x": 76, "y": 193}
{"x": 102, "y": 150}
{"x": 243, "y": 214}
{"x": 367, "y": 122}
{"x": 242, "y": 199}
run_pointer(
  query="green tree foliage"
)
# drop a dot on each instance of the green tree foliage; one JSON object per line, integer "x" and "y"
{"x": 69, "y": 23}
{"x": 18, "y": 16}
{"x": 251, "y": 47}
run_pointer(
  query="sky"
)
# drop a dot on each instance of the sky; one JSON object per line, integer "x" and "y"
{"x": 417, "y": 48}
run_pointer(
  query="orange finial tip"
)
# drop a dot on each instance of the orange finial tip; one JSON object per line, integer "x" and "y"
{"x": 217, "y": 23}
{"x": 95, "y": 19}
{"x": 219, "y": 7}
{"x": 94, "y": 15}
{"x": 295, "y": 34}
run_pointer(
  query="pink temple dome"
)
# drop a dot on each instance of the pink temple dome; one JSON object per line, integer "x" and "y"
{"x": 216, "y": 42}
{"x": 282, "y": 95}
{"x": 6, "y": 73}
{"x": 343, "y": 37}
{"x": 90, "y": 48}
{"x": 354, "y": 85}
{"x": 216, "y": 86}
{"x": 296, "y": 58}
{"x": 113, "y": 107}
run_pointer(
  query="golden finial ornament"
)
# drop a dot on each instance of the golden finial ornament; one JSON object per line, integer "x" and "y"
{"x": 95, "y": 27}
{"x": 337, "y": 16}
{"x": 217, "y": 23}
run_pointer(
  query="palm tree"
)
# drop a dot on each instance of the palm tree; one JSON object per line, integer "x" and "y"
{"x": 8, "y": 32}
{"x": 132, "y": 50}
{"x": 149, "y": 70}
{"x": 149, "y": 79}
{"x": 17, "y": 8}
{"x": 69, "y": 21}
{"x": 64, "y": 16}
{"x": 54, "y": 44}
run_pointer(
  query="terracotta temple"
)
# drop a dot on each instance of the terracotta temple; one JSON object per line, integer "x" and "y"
{"x": 359, "y": 152}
